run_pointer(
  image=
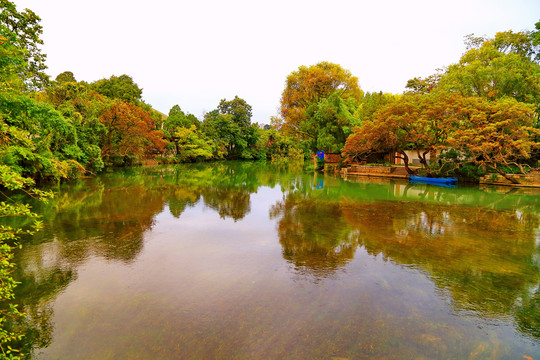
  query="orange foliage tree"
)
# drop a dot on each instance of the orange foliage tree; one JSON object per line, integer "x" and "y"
{"x": 413, "y": 122}
{"x": 131, "y": 133}
{"x": 492, "y": 135}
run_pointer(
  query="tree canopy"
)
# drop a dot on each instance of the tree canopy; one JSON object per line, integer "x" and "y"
{"x": 119, "y": 87}
{"x": 310, "y": 84}
{"x": 22, "y": 30}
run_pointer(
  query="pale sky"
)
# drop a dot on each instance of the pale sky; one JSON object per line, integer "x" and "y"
{"x": 195, "y": 53}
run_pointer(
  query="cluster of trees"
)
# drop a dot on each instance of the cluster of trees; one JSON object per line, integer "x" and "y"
{"x": 479, "y": 115}
{"x": 64, "y": 128}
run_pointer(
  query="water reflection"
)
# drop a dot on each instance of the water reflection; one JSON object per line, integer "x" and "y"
{"x": 479, "y": 248}
{"x": 314, "y": 236}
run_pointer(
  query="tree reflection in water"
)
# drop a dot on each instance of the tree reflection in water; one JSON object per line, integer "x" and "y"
{"x": 483, "y": 255}
{"x": 487, "y": 260}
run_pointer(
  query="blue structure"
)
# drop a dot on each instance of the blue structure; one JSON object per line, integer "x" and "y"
{"x": 432, "y": 180}
{"x": 320, "y": 155}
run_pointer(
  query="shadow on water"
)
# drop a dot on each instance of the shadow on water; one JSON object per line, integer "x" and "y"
{"x": 479, "y": 247}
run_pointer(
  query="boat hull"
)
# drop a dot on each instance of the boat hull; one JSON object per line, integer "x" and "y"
{"x": 432, "y": 180}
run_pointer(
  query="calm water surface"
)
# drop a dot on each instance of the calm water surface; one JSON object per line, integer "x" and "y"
{"x": 248, "y": 261}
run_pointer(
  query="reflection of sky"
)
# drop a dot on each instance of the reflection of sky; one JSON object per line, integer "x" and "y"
{"x": 204, "y": 222}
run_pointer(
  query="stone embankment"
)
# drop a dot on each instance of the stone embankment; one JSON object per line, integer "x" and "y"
{"x": 375, "y": 171}
{"x": 531, "y": 179}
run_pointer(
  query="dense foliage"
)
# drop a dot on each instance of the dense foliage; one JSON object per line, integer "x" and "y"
{"x": 481, "y": 113}
{"x": 317, "y": 104}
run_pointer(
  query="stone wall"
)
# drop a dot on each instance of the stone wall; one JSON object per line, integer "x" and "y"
{"x": 531, "y": 179}
{"x": 368, "y": 169}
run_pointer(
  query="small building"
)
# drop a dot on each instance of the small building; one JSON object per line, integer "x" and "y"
{"x": 413, "y": 157}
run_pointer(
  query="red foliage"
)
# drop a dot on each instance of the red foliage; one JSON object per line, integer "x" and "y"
{"x": 131, "y": 131}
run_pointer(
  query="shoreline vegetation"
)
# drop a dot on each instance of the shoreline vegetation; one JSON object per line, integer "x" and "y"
{"x": 476, "y": 118}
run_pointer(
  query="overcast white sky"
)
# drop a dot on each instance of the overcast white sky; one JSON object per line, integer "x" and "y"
{"x": 194, "y": 53}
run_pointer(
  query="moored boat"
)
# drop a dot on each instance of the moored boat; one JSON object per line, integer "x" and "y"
{"x": 448, "y": 180}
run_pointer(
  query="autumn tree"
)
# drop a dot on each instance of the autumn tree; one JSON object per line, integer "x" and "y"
{"x": 310, "y": 85}
{"x": 420, "y": 123}
{"x": 131, "y": 133}
{"x": 494, "y": 135}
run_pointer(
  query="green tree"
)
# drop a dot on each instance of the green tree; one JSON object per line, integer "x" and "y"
{"x": 119, "y": 87}
{"x": 51, "y": 150}
{"x": 495, "y": 68}
{"x": 192, "y": 145}
{"x": 177, "y": 118}
{"x": 23, "y": 30}
{"x": 66, "y": 76}
{"x": 370, "y": 103}
{"x": 328, "y": 123}
{"x": 238, "y": 108}
{"x": 82, "y": 108}
{"x": 308, "y": 86}
{"x": 229, "y": 126}
{"x": 224, "y": 133}
{"x": 12, "y": 181}
{"x": 535, "y": 36}
{"x": 423, "y": 85}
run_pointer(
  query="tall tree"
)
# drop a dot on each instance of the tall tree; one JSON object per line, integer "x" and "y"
{"x": 230, "y": 125}
{"x": 495, "y": 68}
{"x": 309, "y": 85}
{"x": 238, "y": 108}
{"x": 119, "y": 87}
{"x": 369, "y": 104}
{"x": 23, "y": 31}
{"x": 328, "y": 123}
{"x": 66, "y": 76}
{"x": 535, "y": 36}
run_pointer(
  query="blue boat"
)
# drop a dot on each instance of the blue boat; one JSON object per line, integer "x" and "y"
{"x": 429, "y": 180}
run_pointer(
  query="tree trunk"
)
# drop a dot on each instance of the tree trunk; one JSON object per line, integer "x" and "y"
{"x": 423, "y": 161}
{"x": 405, "y": 159}
{"x": 505, "y": 175}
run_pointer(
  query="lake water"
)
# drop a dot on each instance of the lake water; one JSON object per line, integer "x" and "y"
{"x": 249, "y": 261}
